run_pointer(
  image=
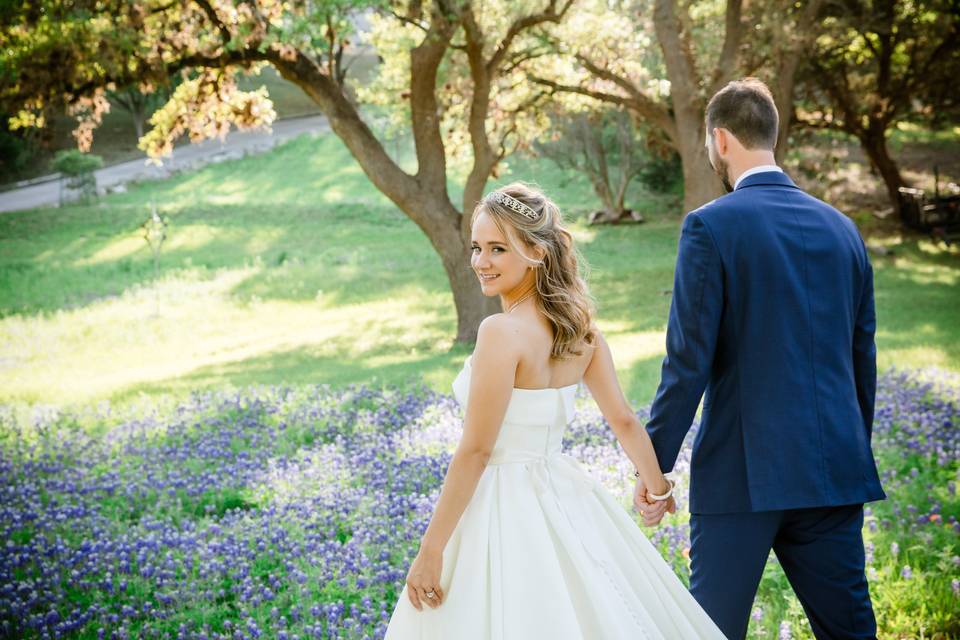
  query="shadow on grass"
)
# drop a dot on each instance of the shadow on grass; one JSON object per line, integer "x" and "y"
{"x": 908, "y": 321}
{"x": 381, "y": 367}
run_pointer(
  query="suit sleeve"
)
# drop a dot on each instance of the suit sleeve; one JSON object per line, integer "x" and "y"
{"x": 865, "y": 350}
{"x": 692, "y": 331}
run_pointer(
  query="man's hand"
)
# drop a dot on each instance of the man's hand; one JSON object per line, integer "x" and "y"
{"x": 652, "y": 510}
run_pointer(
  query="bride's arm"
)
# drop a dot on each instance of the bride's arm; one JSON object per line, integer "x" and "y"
{"x": 601, "y": 379}
{"x": 493, "y": 369}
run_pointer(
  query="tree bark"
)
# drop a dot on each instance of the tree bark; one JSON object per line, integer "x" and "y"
{"x": 700, "y": 183}
{"x": 789, "y": 56}
{"x": 472, "y": 306}
{"x": 874, "y": 143}
{"x": 139, "y": 119}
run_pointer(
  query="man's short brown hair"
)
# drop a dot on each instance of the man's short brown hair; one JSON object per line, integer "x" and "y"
{"x": 746, "y": 109}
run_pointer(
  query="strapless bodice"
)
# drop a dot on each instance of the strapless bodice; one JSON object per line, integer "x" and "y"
{"x": 534, "y": 422}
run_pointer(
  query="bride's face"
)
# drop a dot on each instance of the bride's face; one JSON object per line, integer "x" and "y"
{"x": 498, "y": 266}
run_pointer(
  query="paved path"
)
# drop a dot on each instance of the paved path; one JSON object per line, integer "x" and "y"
{"x": 188, "y": 156}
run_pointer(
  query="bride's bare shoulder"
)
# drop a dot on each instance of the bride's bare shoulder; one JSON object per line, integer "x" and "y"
{"x": 500, "y": 330}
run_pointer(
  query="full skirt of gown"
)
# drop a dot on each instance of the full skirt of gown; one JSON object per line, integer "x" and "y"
{"x": 543, "y": 550}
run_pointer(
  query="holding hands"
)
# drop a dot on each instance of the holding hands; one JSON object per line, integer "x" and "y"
{"x": 653, "y": 507}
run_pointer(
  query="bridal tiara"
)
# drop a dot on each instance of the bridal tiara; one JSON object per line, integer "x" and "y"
{"x": 514, "y": 205}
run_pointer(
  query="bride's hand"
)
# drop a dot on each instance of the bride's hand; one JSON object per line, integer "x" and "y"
{"x": 424, "y": 578}
{"x": 652, "y": 510}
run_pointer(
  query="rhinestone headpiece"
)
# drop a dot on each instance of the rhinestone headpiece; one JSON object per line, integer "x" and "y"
{"x": 515, "y": 205}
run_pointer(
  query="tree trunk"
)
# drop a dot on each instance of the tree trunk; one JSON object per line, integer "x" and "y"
{"x": 783, "y": 97}
{"x": 874, "y": 143}
{"x": 700, "y": 182}
{"x": 603, "y": 192}
{"x": 789, "y": 57}
{"x": 471, "y": 305}
{"x": 139, "y": 119}
{"x": 453, "y": 246}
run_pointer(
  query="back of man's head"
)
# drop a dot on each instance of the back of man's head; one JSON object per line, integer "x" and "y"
{"x": 746, "y": 109}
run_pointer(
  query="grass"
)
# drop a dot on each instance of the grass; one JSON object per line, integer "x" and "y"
{"x": 291, "y": 267}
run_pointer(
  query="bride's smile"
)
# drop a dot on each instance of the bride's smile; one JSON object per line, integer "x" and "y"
{"x": 500, "y": 267}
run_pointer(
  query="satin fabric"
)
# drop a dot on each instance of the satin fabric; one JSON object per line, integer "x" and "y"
{"x": 544, "y": 551}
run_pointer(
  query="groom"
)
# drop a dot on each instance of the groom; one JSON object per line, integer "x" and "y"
{"x": 773, "y": 317}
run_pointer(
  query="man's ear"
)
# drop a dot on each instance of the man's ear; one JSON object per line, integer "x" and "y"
{"x": 723, "y": 142}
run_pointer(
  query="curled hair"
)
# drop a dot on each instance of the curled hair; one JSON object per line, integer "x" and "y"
{"x": 562, "y": 294}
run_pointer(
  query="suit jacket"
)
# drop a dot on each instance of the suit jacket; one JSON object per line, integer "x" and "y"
{"x": 773, "y": 316}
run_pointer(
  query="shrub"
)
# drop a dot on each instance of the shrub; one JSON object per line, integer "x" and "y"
{"x": 77, "y": 169}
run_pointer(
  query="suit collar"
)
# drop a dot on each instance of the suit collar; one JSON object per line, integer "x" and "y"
{"x": 767, "y": 178}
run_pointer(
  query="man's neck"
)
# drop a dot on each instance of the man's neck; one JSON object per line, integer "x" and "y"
{"x": 748, "y": 160}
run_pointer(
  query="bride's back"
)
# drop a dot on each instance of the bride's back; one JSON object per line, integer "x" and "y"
{"x": 536, "y": 369}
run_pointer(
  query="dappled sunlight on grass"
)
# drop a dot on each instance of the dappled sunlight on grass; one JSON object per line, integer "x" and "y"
{"x": 926, "y": 272}
{"x": 582, "y": 234}
{"x": 119, "y": 343}
{"x": 938, "y": 248}
{"x": 220, "y": 192}
{"x": 629, "y": 348}
{"x": 919, "y": 355}
{"x": 119, "y": 248}
{"x": 190, "y": 237}
{"x": 223, "y": 199}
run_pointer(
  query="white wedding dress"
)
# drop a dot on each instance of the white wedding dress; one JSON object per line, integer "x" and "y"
{"x": 544, "y": 551}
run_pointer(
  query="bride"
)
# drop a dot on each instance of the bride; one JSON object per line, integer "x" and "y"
{"x": 523, "y": 543}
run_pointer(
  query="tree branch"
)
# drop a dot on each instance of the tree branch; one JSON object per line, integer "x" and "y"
{"x": 521, "y": 24}
{"x": 639, "y": 102}
{"x": 727, "y": 67}
{"x": 405, "y": 20}
{"x": 215, "y": 19}
{"x": 225, "y": 59}
{"x": 484, "y": 157}
{"x": 525, "y": 56}
{"x": 678, "y": 59}
{"x": 425, "y": 60}
{"x": 404, "y": 190}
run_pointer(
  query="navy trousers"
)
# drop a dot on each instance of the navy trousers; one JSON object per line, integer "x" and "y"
{"x": 820, "y": 550}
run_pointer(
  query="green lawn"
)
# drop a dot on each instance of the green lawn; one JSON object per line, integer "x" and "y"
{"x": 291, "y": 268}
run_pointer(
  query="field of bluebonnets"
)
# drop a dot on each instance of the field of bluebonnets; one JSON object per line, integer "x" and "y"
{"x": 294, "y": 513}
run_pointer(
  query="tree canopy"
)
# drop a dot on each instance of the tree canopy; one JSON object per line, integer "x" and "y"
{"x": 877, "y": 62}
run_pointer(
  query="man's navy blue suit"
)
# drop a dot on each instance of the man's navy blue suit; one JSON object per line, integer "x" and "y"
{"x": 773, "y": 317}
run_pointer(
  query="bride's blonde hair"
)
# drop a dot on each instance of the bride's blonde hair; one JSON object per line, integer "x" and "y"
{"x": 562, "y": 293}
